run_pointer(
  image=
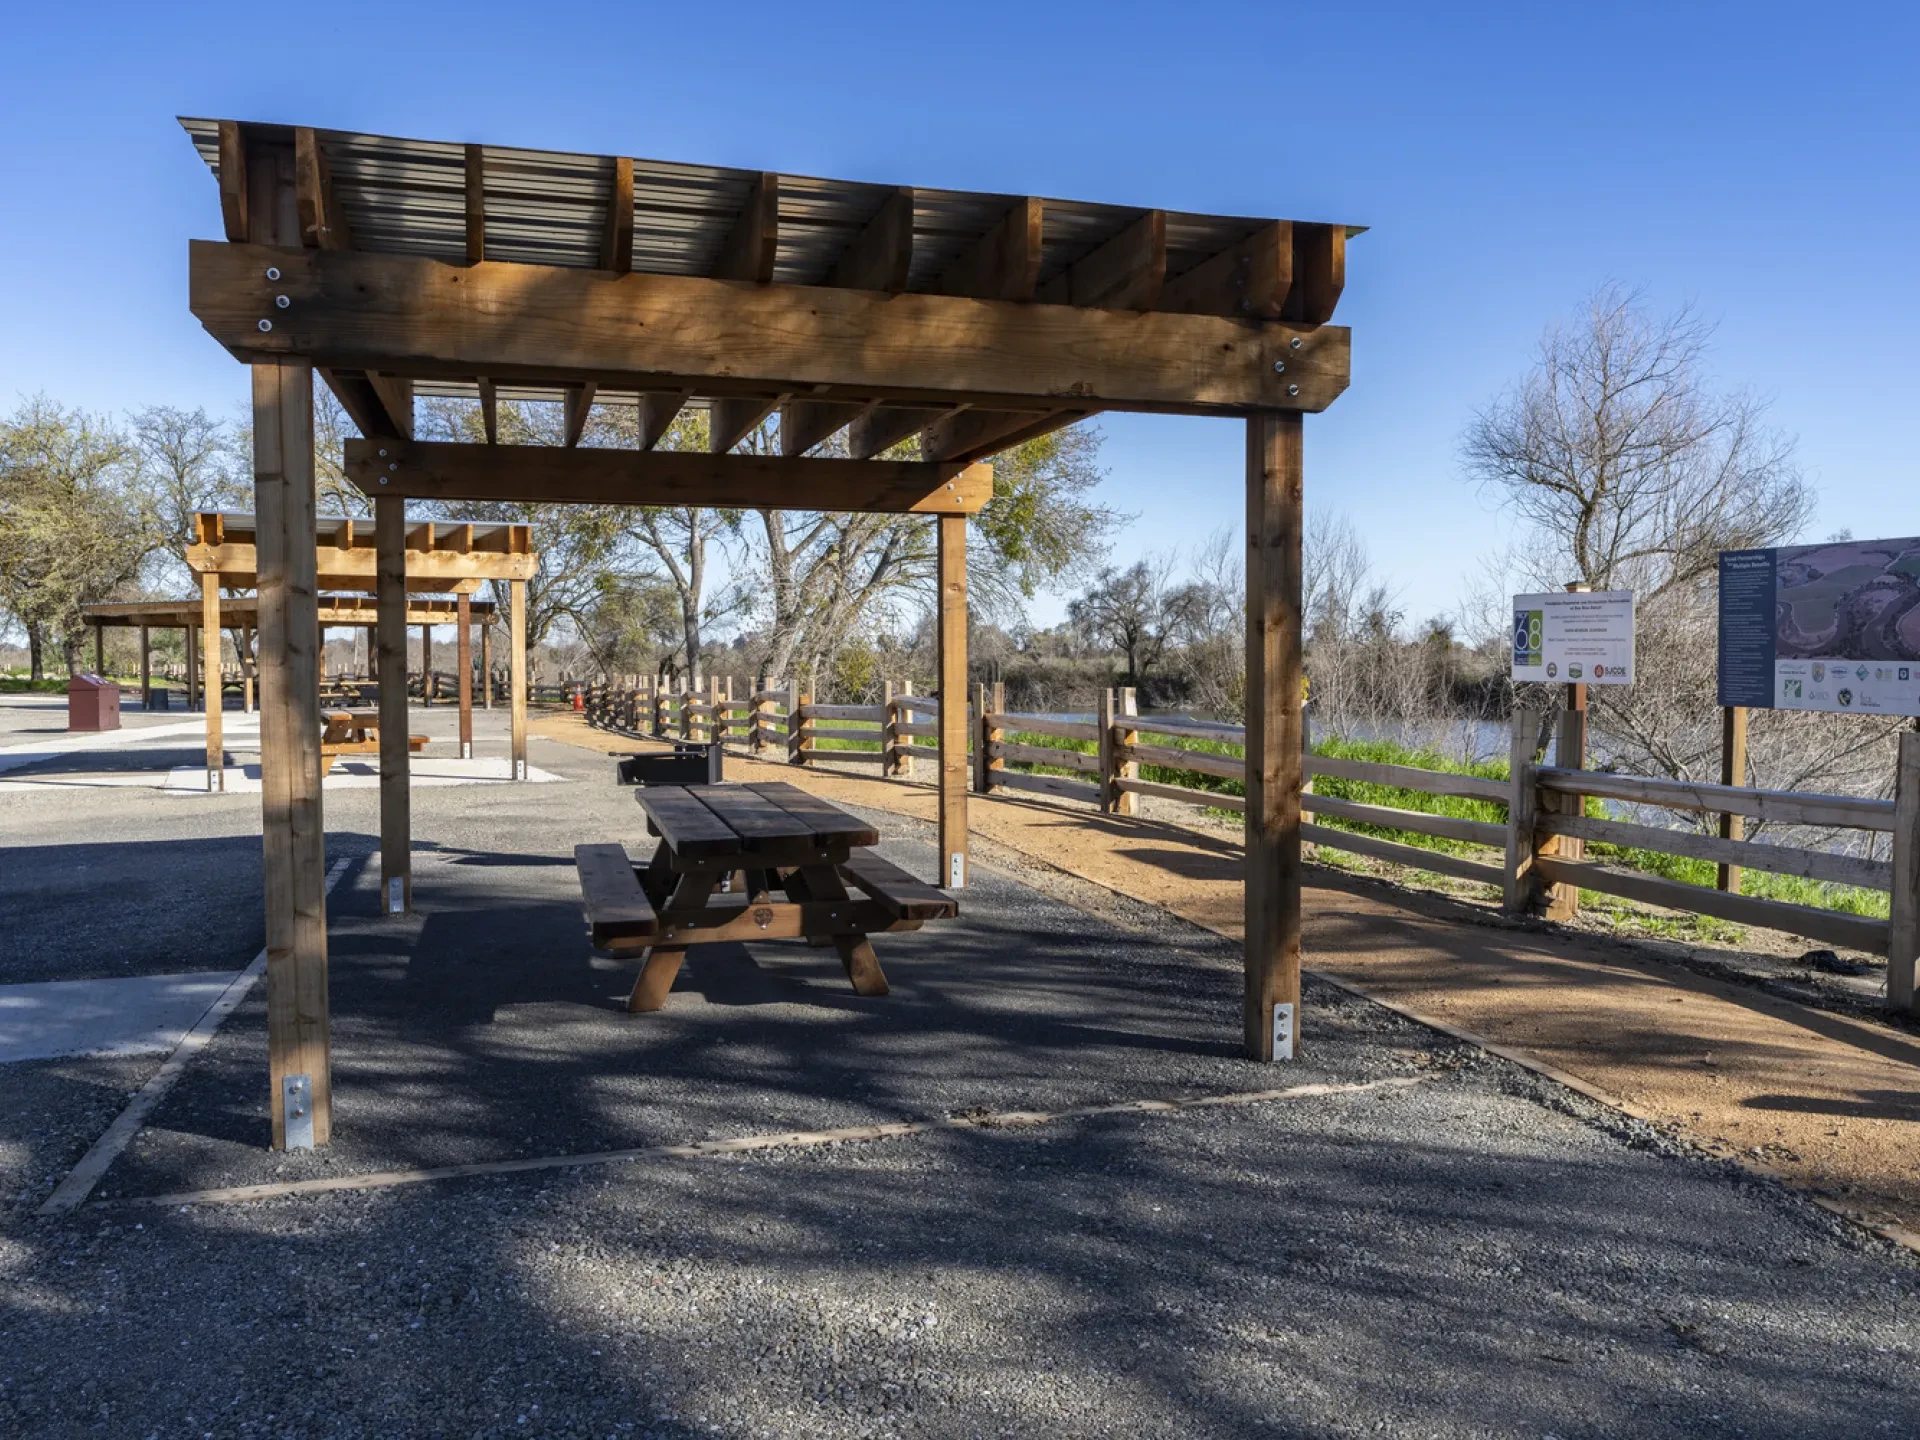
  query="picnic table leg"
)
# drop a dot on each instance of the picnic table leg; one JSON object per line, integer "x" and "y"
{"x": 823, "y": 882}
{"x": 661, "y": 964}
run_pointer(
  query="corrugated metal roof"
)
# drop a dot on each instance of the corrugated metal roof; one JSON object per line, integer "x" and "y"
{"x": 548, "y": 208}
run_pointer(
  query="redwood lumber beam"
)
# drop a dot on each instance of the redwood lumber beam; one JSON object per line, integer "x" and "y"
{"x": 750, "y": 248}
{"x": 952, "y": 622}
{"x": 1003, "y": 264}
{"x": 616, "y": 242}
{"x": 976, "y": 434}
{"x": 435, "y": 572}
{"x": 1251, "y": 279}
{"x": 882, "y": 255}
{"x": 352, "y": 309}
{"x": 476, "y": 205}
{"x": 881, "y": 429}
{"x": 1126, "y": 273}
{"x": 592, "y": 475}
{"x": 210, "y": 637}
{"x": 807, "y": 423}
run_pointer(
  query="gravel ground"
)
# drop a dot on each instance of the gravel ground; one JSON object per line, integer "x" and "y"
{"x": 1481, "y": 1254}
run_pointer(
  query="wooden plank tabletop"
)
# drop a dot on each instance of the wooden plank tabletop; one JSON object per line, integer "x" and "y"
{"x": 706, "y": 822}
{"x": 827, "y": 821}
{"x": 690, "y": 830}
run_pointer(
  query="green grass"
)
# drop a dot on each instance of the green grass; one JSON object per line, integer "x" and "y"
{"x": 20, "y": 685}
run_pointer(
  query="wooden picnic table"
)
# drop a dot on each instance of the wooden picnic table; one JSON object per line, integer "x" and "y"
{"x": 748, "y": 862}
{"x": 356, "y": 732}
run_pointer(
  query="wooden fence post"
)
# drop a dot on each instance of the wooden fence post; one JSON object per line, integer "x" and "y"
{"x": 1125, "y": 801}
{"x": 889, "y": 733}
{"x": 1522, "y": 890}
{"x": 799, "y": 728}
{"x": 982, "y": 777}
{"x": 1733, "y": 771}
{"x": 1903, "y": 934}
{"x": 1308, "y": 850}
{"x": 1570, "y": 753}
{"x": 1103, "y": 750}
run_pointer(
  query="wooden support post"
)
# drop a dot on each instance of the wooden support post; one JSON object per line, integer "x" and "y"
{"x": 146, "y": 669}
{"x": 100, "y": 650}
{"x": 486, "y": 666}
{"x": 1522, "y": 892}
{"x": 1733, "y": 771}
{"x": 952, "y": 618}
{"x": 463, "y": 655}
{"x": 426, "y": 665}
{"x": 517, "y": 674}
{"x": 292, "y": 824}
{"x": 210, "y": 629}
{"x": 390, "y": 647}
{"x": 1570, "y": 753}
{"x": 1903, "y": 933}
{"x": 1125, "y": 802}
{"x": 982, "y": 778}
{"x": 1275, "y": 483}
{"x": 193, "y": 667}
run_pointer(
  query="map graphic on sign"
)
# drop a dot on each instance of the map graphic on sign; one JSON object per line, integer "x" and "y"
{"x": 1822, "y": 627}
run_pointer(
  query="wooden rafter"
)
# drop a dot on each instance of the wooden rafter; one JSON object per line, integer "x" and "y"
{"x": 882, "y": 255}
{"x": 476, "y": 205}
{"x": 1319, "y": 272}
{"x": 595, "y": 475}
{"x": 732, "y": 418}
{"x": 350, "y": 308}
{"x": 1126, "y": 273}
{"x": 616, "y": 243}
{"x": 750, "y": 249}
{"x": 1003, "y": 264}
{"x": 322, "y": 225}
{"x": 578, "y": 406}
{"x": 880, "y": 430}
{"x": 971, "y": 434}
{"x": 233, "y": 181}
{"x": 1252, "y": 278}
{"x": 807, "y": 423}
{"x": 364, "y": 405}
{"x": 489, "y": 408}
{"x": 657, "y": 412}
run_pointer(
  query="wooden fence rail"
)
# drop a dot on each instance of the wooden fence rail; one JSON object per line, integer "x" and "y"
{"x": 1534, "y": 855}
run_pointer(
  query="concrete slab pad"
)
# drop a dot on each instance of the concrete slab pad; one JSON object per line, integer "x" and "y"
{"x": 364, "y": 774}
{"x": 141, "y": 1015}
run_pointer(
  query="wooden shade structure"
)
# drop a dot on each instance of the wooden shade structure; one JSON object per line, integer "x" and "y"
{"x": 397, "y": 268}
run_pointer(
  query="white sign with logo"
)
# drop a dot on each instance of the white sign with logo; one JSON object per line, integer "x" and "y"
{"x": 1579, "y": 637}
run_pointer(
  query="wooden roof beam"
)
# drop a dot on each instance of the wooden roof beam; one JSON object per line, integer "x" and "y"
{"x": 616, "y": 241}
{"x": 233, "y": 180}
{"x": 476, "y": 205}
{"x": 1003, "y": 264}
{"x": 1126, "y": 273}
{"x": 1251, "y": 279}
{"x": 352, "y": 309}
{"x": 364, "y": 405}
{"x": 1319, "y": 272}
{"x": 882, "y": 255}
{"x": 489, "y": 408}
{"x": 975, "y": 434}
{"x": 807, "y": 423}
{"x": 322, "y": 226}
{"x": 732, "y": 418}
{"x": 597, "y": 475}
{"x": 658, "y": 410}
{"x": 881, "y": 429}
{"x": 750, "y": 249}
{"x": 577, "y": 406}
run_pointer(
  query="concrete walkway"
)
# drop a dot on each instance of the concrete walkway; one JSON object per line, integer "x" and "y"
{"x": 140, "y": 1015}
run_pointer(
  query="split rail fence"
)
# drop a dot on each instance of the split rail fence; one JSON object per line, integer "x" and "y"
{"x": 1541, "y": 841}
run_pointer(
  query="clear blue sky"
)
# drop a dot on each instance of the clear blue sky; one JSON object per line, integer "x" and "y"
{"x": 1758, "y": 160}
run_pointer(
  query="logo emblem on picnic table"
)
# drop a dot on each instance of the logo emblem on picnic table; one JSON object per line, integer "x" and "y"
{"x": 763, "y": 916}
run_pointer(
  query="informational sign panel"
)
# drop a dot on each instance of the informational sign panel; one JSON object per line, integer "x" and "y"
{"x": 1822, "y": 627}
{"x": 1582, "y": 637}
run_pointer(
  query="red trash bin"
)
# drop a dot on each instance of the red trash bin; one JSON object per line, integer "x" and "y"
{"x": 92, "y": 703}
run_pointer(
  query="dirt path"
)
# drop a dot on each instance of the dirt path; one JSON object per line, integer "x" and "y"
{"x": 1825, "y": 1102}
